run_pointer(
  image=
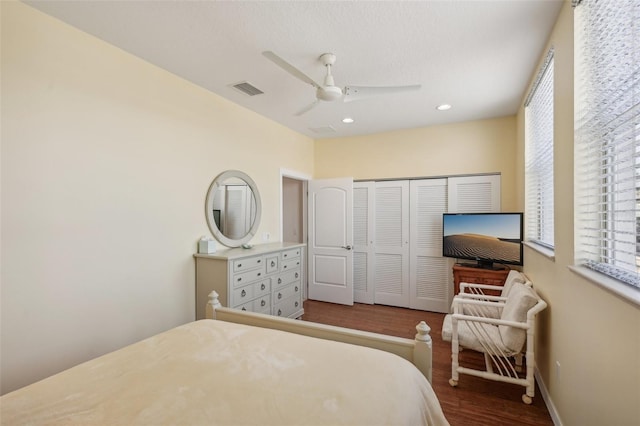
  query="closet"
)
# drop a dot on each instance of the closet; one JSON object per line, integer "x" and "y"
{"x": 397, "y": 234}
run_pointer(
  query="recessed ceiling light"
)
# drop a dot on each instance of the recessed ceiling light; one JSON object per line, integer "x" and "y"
{"x": 443, "y": 107}
{"x": 347, "y": 120}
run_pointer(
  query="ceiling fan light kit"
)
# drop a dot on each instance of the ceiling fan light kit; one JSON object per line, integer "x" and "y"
{"x": 328, "y": 91}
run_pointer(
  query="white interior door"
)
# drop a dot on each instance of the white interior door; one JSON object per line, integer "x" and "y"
{"x": 330, "y": 209}
{"x": 392, "y": 243}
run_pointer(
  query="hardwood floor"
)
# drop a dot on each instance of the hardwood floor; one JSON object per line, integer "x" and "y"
{"x": 474, "y": 401}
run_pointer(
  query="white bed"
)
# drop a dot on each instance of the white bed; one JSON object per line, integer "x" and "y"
{"x": 222, "y": 372}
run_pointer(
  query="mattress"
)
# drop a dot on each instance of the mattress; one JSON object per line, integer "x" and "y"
{"x": 215, "y": 372}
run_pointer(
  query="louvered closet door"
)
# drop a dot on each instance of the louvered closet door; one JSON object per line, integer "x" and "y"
{"x": 391, "y": 269}
{"x": 363, "y": 240}
{"x": 429, "y": 280}
{"x": 474, "y": 194}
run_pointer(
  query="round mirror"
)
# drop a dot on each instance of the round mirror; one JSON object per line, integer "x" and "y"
{"x": 233, "y": 208}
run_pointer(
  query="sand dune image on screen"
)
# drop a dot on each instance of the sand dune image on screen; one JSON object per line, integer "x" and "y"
{"x": 473, "y": 246}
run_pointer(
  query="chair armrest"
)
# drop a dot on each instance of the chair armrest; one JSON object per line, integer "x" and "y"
{"x": 460, "y": 302}
{"x": 471, "y": 286}
{"x": 481, "y": 297}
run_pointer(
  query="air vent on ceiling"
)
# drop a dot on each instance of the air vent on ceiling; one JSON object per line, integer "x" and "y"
{"x": 323, "y": 129}
{"x": 247, "y": 88}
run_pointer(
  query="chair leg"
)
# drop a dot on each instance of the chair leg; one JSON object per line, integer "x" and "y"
{"x": 518, "y": 358}
{"x": 455, "y": 348}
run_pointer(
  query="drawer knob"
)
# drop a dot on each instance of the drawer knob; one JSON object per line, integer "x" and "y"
{"x": 297, "y": 303}
{"x": 285, "y": 255}
{"x": 262, "y": 287}
{"x": 239, "y": 265}
{"x": 273, "y": 263}
{"x": 296, "y": 288}
{"x": 279, "y": 296}
{"x": 279, "y": 280}
{"x": 279, "y": 312}
{"x": 239, "y": 279}
{"x": 243, "y": 294}
{"x": 244, "y": 309}
{"x": 284, "y": 267}
{"x": 296, "y": 275}
{"x": 259, "y": 260}
{"x": 262, "y": 303}
{"x": 259, "y": 273}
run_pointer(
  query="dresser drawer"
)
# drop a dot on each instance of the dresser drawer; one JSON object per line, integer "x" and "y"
{"x": 272, "y": 263}
{"x": 288, "y": 306}
{"x": 290, "y": 254}
{"x": 261, "y": 288}
{"x": 245, "y": 307}
{"x": 247, "y": 277}
{"x": 262, "y": 304}
{"x": 248, "y": 263}
{"x": 248, "y": 292}
{"x": 290, "y": 264}
{"x": 286, "y": 292}
{"x": 285, "y": 278}
{"x": 242, "y": 295}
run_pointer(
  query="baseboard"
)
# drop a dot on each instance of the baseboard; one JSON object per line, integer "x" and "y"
{"x": 547, "y": 398}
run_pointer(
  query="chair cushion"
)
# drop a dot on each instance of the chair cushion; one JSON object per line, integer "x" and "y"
{"x": 482, "y": 311}
{"x": 490, "y": 311}
{"x": 521, "y": 298}
{"x": 468, "y": 333}
{"x": 513, "y": 277}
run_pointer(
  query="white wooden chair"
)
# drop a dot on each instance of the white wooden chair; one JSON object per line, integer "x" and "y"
{"x": 499, "y": 327}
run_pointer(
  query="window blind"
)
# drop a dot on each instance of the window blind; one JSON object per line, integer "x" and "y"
{"x": 607, "y": 137}
{"x": 539, "y": 157}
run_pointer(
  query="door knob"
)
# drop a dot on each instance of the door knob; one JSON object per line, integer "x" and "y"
{"x": 347, "y": 247}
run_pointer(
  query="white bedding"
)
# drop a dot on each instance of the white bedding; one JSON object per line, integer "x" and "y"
{"x": 215, "y": 372}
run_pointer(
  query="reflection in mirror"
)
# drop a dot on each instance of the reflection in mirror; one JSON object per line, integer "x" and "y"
{"x": 233, "y": 208}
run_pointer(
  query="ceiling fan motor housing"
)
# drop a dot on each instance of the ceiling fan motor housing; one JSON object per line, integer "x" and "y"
{"x": 329, "y": 93}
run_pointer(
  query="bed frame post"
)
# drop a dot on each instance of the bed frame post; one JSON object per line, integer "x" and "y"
{"x": 422, "y": 351}
{"x": 212, "y": 305}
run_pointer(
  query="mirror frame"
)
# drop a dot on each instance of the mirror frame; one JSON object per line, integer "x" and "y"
{"x": 208, "y": 208}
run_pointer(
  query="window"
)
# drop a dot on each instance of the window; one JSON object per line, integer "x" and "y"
{"x": 607, "y": 137}
{"x": 539, "y": 157}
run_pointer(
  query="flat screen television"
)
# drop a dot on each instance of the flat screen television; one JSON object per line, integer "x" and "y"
{"x": 487, "y": 238}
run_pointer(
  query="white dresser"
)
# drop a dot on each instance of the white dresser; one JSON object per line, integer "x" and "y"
{"x": 266, "y": 278}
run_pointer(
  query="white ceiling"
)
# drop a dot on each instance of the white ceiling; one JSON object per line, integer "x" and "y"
{"x": 476, "y": 55}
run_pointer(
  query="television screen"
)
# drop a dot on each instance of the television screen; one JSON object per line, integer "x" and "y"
{"x": 484, "y": 237}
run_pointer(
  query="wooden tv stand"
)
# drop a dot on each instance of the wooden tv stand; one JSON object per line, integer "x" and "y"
{"x": 469, "y": 274}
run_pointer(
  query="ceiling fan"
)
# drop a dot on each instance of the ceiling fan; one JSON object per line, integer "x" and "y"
{"x": 328, "y": 91}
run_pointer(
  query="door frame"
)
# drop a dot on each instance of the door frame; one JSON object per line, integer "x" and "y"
{"x": 304, "y": 178}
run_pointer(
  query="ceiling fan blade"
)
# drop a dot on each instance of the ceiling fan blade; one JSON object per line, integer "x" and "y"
{"x": 307, "y": 108}
{"x": 355, "y": 93}
{"x": 290, "y": 68}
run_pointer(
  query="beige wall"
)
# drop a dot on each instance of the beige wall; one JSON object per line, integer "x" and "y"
{"x": 592, "y": 334}
{"x": 106, "y": 161}
{"x": 486, "y": 146}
